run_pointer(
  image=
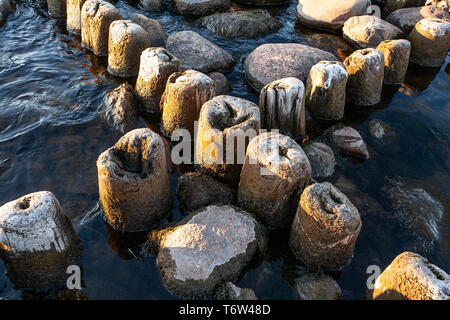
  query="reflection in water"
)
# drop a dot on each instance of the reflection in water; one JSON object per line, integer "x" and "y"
{"x": 126, "y": 244}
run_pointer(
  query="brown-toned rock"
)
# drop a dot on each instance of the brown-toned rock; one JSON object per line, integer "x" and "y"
{"x": 134, "y": 181}
{"x": 225, "y": 126}
{"x": 221, "y": 81}
{"x": 326, "y": 90}
{"x": 349, "y": 140}
{"x": 317, "y": 286}
{"x": 275, "y": 172}
{"x": 96, "y": 16}
{"x": 321, "y": 157}
{"x": 185, "y": 94}
{"x": 157, "y": 35}
{"x": 198, "y": 53}
{"x": 365, "y": 70}
{"x": 378, "y": 129}
{"x": 156, "y": 66}
{"x": 396, "y": 60}
{"x": 74, "y": 15}
{"x": 412, "y": 277}
{"x": 274, "y": 61}
{"x": 57, "y": 8}
{"x": 196, "y": 190}
{"x": 430, "y": 42}
{"x": 37, "y": 241}
{"x": 325, "y": 228}
{"x": 393, "y": 5}
{"x": 282, "y": 106}
{"x": 199, "y": 8}
{"x": 119, "y": 109}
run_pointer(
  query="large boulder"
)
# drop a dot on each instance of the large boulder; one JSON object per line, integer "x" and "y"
{"x": 198, "y": 53}
{"x": 241, "y": 24}
{"x": 329, "y": 14}
{"x": 369, "y": 31}
{"x": 392, "y": 5}
{"x": 405, "y": 19}
{"x": 157, "y": 35}
{"x": 207, "y": 248}
{"x": 198, "y": 7}
{"x": 273, "y": 61}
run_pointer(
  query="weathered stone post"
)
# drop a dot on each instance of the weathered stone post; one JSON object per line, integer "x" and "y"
{"x": 430, "y": 42}
{"x": 134, "y": 182}
{"x": 37, "y": 241}
{"x": 226, "y": 125}
{"x": 365, "y": 76}
{"x": 96, "y": 16}
{"x": 325, "y": 227}
{"x": 412, "y": 277}
{"x": 57, "y": 8}
{"x": 396, "y": 59}
{"x": 282, "y": 106}
{"x": 325, "y": 90}
{"x": 156, "y": 66}
{"x": 157, "y": 35}
{"x": 74, "y": 15}
{"x": 185, "y": 94}
{"x": 273, "y": 176}
{"x": 126, "y": 42}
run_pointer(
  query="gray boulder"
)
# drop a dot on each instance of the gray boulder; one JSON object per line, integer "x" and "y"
{"x": 157, "y": 35}
{"x": 321, "y": 158}
{"x": 405, "y": 19}
{"x": 317, "y": 286}
{"x": 349, "y": 141}
{"x": 198, "y": 7}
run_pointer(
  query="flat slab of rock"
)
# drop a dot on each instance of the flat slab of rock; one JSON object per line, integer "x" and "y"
{"x": 369, "y": 31}
{"x": 349, "y": 140}
{"x": 198, "y": 7}
{"x": 241, "y": 24}
{"x": 198, "y": 53}
{"x": 329, "y": 14}
{"x": 207, "y": 248}
{"x": 273, "y": 61}
{"x": 405, "y": 19}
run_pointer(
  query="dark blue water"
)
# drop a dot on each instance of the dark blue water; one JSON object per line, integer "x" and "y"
{"x": 51, "y": 136}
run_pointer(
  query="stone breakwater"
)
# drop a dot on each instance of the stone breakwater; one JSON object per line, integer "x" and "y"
{"x": 203, "y": 254}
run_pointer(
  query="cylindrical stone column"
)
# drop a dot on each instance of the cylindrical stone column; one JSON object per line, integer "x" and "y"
{"x": 396, "y": 60}
{"x": 325, "y": 90}
{"x": 37, "y": 241}
{"x": 185, "y": 94}
{"x": 282, "y": 106}
{"x": 325, "y": 227}
{"x": 365, "y": 76}
{"x": 74, "y": 15}
{"x": 226, "y": 125}
{"x": 430, "y": 42}
{"x": 275, "y": 172}
{"x": 156, "y": 66}
{"x": 126, "y": 42}
{"x": 134, "y": 181}
{"x": 57, "y": 8}
{"x": 96, "y": 16}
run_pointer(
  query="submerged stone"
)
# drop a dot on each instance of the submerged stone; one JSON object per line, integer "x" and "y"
{"x": 317, "y": 286}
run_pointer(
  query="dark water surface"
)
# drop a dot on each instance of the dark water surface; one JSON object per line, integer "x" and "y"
{"x": 51, "y": 136}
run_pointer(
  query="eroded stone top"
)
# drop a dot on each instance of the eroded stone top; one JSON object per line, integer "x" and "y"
{"x": 324, "y": 72}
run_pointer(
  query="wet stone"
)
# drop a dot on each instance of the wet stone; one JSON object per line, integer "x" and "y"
{"x": 74, "y": 15}
{"x": 157, "y": 35}
{"x": 229, "y": 291}
{"x": 378, "y": 129}
{"x": 7, "y": 6}
{"x": 393, "y": 5}
{"x": 152, "y": 5}
{"x": 317, "y": 286}
{"x": 57, "y": 8}
{"x": 198, "y": 8}
{"x": 221, "y": 81}
{"x": 321, "y": 157}
{"x": 396, "y": 60}
{"x": 349, "y": 141}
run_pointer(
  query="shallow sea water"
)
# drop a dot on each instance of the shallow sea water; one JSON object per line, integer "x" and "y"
{"x": 51, "y": 136}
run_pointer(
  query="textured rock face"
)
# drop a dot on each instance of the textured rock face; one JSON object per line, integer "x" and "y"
{"x": 369, "y": 31}
{"x": 325, "y": 90}
{"x": 57, "y": 8}
{"x": 126, "y": 42}
{"x": 317, "y": 286}
{"x": 225, "y": 126}
{"x": 349, "y": 140}
{"x": 37, "y": 241}
{"x": 321, "y": 158}
{"x": 328, "y": 42}
{"x": 443, "y": 4}
{"x": 119, "y": 109}
{"x": 329, "y": 14}
{"x": 152, "y": 5}
{"x": 198, "y": 53}
{"x": 325, "y": 228}
{"x": 396, "y": 60}
{"x": 156, "y": 66}
{"x": 199, "y": 7}
{"x": 221, "y": 81}
{"x": 412, "y": 277}
{"x": 157, "y": 35}
{"x": 430, "y": 42}
{"x": 96, "y": 16}
{"x": 393, "y": 5}
{"x": 378, "y": 129}
{"x": 206, "y": 248}
{"x": 282, "y": 106}
{"x": 406, "y": 19}
{"x": 74, "y": 15}
{"x": 229, "y": 291}
{"x": 196, "y": 190}
{"x": 274, "y": 61}
{"x": 275, "y": 172}
{"x": 241, "y": 24}
{"x": 134, "y": 182}
{"x": 365, "y": 70}
{"x": 185, "y": 94}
